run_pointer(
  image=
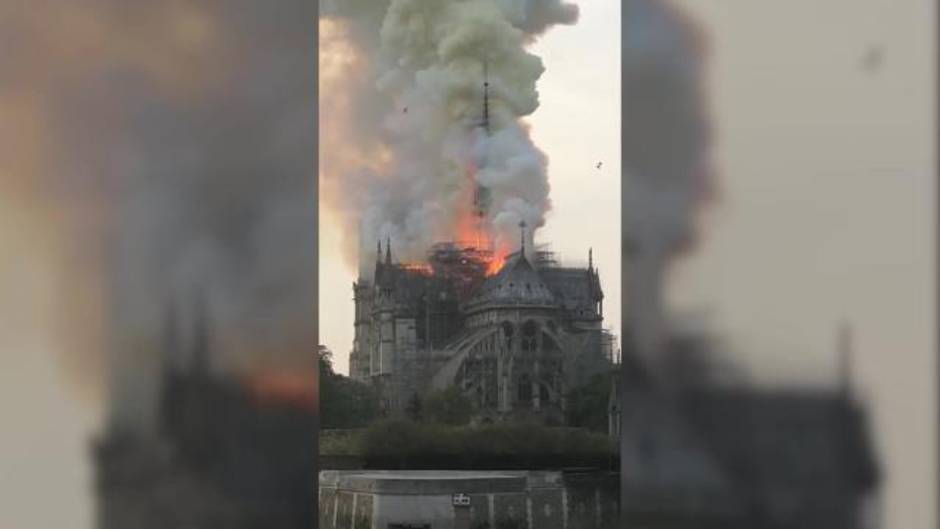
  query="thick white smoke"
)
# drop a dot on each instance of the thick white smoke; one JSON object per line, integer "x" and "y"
{"x": 420, "y": 85}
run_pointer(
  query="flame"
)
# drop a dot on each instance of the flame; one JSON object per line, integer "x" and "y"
{"x": 418, "y": 267}
{"x": 280, "y": 388}
{"x": 476, "y": 231}
{"x": 496, "y": 264}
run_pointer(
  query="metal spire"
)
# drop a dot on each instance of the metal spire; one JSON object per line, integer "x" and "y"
{"x": 486, "y": 97}
{"x": 522, "y": 226}
{"x": 388, "y": 250}
{"x": 590, "y": 258}
{"x": 378, "y": 250}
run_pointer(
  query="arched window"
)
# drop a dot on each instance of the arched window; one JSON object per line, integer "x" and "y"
{"x": 529, "y": 336}
{"x": 507, "y": 334}
{"x": 524, "y": 389}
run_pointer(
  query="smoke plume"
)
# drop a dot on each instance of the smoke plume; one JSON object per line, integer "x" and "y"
{"x": 403, "y": 143}
{"x": 667, "y": 176}
{"x": 170, "y": 145}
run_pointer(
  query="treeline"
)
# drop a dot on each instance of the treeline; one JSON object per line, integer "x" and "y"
{"x": 416, "y": 439}
{"x": 344, "y": 402}
{"x": 347, "y": 404}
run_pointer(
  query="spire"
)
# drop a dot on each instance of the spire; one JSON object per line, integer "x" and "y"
{"x": 388, "y": 250}
{"x": 590, "y": 258}
{"x": 378, "y": 250}
{"x": 522, "y": 238}
{"x": 486, "y": 97}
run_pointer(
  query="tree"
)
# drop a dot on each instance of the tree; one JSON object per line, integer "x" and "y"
{"x": 414, "y": 410}
{"x": 587, "y": 405}
{"x": 344, "y": 402}
{"x": 449, "y": 406}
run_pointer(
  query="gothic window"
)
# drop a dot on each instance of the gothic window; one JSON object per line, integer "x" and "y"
{"x": 491, "y": 384}
{"x": 529, "y": 334}
{"x": 543, "y": 394}
{"x": 524, "y": 389}
{"x": 507, "y": 334}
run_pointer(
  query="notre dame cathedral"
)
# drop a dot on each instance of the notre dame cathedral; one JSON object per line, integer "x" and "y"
{"x": 514, "y": 336}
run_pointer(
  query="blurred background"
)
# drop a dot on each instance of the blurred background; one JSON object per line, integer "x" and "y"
{"x": 158, "y": 214}
{"x": 779, "y": 207}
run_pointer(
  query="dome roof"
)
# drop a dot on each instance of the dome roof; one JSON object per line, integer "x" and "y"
{"x": 518, "y": 283}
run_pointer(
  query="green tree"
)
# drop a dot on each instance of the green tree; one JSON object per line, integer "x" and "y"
{"x": 415, "y": 410}
{"x": 448, "y": 406}
{"x": 587, "y": 405}
{"x": 344, "y": 402}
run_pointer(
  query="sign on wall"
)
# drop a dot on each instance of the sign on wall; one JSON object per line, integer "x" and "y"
{"x": 460, "y": 500}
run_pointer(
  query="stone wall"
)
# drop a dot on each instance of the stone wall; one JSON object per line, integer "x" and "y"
{"x": 499, "y": 500}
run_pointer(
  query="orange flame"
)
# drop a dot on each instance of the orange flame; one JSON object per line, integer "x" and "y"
{"x": 496, "y": 264}
{"x": 420, "y": 268}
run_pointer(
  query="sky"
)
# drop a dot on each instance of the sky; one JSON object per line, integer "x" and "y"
{"x": 826, "y": 211}
{"x": 577, "y": 125}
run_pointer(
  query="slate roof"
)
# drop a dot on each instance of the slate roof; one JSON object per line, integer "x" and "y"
{"x": 518, "y": 283}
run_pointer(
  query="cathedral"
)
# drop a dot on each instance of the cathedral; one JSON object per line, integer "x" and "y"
{"x": 514, "y": 338}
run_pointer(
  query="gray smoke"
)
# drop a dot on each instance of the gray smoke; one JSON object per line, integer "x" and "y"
{"x": 181, "y": 147}
{"x": 667, "y": 176}
{"x": 403, "y": 112}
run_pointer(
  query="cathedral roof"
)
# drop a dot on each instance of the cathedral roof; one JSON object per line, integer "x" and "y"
{"x": 518, "y": 283}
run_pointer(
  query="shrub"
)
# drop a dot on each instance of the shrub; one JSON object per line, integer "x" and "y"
{"x": 405, "y": 438}
{"x": 448, "y": 406}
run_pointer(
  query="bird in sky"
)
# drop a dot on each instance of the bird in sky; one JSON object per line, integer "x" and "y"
{"x": 872, "y": 59}
{"x": 599, "y": 164}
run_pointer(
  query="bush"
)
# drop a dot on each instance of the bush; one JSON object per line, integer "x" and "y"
{"x": 344, "y": 402}
{"x": 405, "y": 438}
{"x": 448, "y": 406}
{"x": 340, "y": 442}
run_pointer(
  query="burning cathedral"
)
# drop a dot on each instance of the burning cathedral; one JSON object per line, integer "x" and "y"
{"x": 513, "y": 329}
{"x": 513, "y": 335}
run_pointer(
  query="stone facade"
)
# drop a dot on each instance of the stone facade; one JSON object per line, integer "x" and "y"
{"x": 515, "y": 342}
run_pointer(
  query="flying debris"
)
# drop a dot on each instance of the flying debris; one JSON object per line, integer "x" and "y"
{"x": 599, "y": 164}
{"x": 405, "y": 110}
{"x": 873, "y": 58}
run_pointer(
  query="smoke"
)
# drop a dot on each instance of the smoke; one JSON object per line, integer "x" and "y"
{"x": 668, "y": 179}
{"x": 173, "y": 154}
{"x": 402, "y": 96}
